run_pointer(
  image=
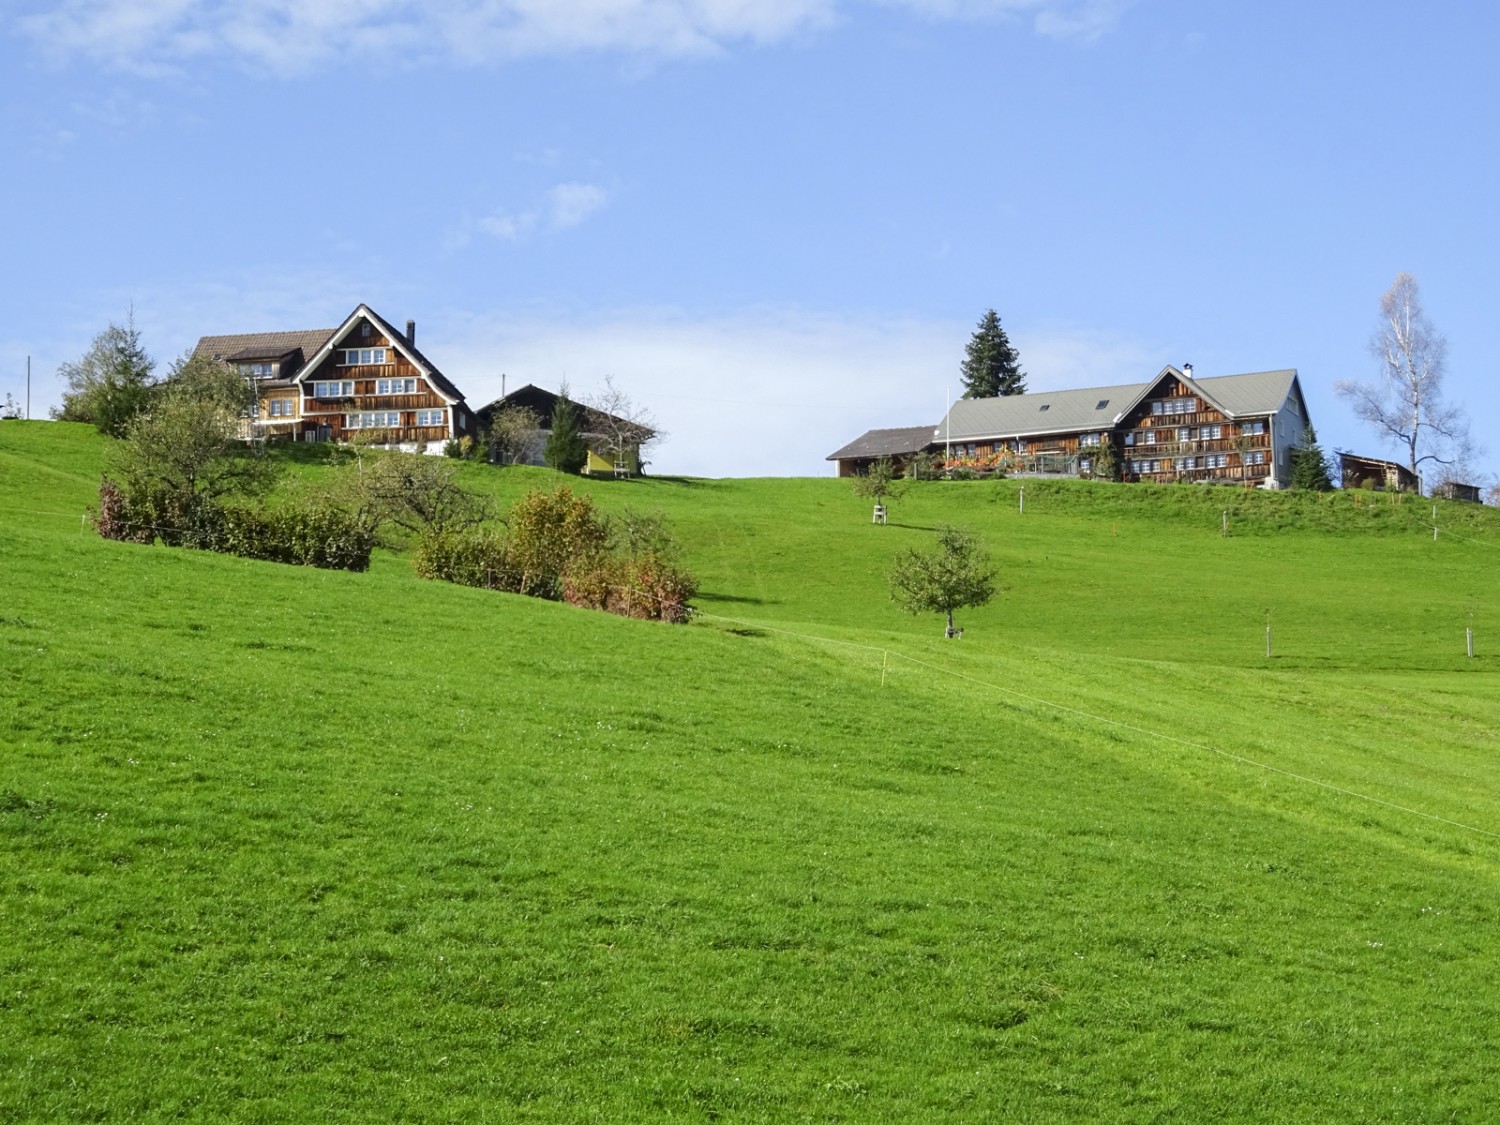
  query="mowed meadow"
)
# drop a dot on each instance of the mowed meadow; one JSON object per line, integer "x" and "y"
{"x": 280, "y": 844}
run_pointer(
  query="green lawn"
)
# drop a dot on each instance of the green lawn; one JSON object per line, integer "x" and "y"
{"x": 288, "y": 845}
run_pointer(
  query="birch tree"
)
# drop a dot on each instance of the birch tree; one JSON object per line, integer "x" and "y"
{"x": 1405, "y": 404}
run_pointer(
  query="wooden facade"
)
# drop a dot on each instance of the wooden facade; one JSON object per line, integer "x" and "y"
{"x": 1161, "y": 441}
{"x": 1231, "y": 429}
{"x": 336, "y": 384}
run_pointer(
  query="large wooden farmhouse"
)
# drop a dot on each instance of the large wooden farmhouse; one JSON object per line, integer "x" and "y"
{"x": 328, "y": 384}
{"x": 1231, "y": 428}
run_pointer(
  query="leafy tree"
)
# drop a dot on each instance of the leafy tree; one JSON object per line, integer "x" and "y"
{"x": 1310, "y": 468}
{"x": 565, "y": 451}
{"x": 110, "y": 383}
{"x": 183, "y": 454}
{"x": 412, "y": 491}
{"x": 512, "y": 434}
{"x": 1405, "y": 405}
{"x": 551, "y": 532}
{"x": 880, "y": 482}
{"x": 991, "y": 367}
{"x": 958, "y": 574}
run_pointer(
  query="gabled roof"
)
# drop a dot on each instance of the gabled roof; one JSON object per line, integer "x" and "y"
{"x": 1067, "y": 412}
{"x": 291, "y": 348}
{"x": 398, "y": 341}
{"x": 1100, "y": 408}
{"x": 885, "y": 443}
{"x": 543, "y": 402}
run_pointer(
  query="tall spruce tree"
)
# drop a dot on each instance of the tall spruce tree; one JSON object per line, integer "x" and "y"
{"x": 565, "y": 451}
{"x": 1310, "y": 465}
{"x": 991, "y": 367}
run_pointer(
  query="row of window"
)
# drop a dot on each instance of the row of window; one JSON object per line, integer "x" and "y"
{"x": 255, "y": 370}
{"x": 343, "y": 388}
{"x": 1184, "y": 433}
{"x": 1184, "y": 464}
{"x": 1175, "y": 406}
{"x": 391, "y": 419}
{"x": 364, "y": 357}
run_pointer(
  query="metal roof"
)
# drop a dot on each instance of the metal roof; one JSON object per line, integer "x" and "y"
{"x": 1099, "y": 408}
{"x": 1066, "y": 412}
{"x": 885, "y": 443}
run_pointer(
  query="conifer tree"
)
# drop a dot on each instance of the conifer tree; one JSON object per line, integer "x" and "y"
{"x": 565, "y": 451}
{"x": 1310, "y": 465}
{"x": 991, "y": 367}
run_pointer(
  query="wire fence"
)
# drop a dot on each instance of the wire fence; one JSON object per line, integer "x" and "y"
{"x": 887, "y": 653}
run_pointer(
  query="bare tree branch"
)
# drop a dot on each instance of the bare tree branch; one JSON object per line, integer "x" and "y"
{"x": 1405, "y": 405}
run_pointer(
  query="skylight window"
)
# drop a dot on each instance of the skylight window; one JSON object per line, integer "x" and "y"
{"x": 1045, "y": 406}
{"x": 1101, "y": 404}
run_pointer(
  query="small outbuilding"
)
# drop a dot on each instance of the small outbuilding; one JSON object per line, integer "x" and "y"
{"x": 1381, "y": 476}
{"x": 900, "y": 445}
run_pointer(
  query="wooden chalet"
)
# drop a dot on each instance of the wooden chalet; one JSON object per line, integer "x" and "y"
{"x": 614, "y": 444}
{"x": 1226, "y": 428}
{"x": 333, "y": 383}
{"x": 1222, "y": 429}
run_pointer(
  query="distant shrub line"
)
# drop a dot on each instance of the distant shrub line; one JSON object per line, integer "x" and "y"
{"x": 552, "y": 545}
{"x": 300, "y": 534}
{"x": 556, "y": 546}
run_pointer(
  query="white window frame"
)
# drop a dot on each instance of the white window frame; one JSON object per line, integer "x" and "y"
{"x": 373, "y": 420}
{"x": 319, "y": 388}
{"x": 432, "y": 418}
{"x": 405, "y": 385}
{"x": 377, "y": 357}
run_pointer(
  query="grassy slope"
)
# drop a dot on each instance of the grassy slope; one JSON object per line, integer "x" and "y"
{"x": 284, "y": 844}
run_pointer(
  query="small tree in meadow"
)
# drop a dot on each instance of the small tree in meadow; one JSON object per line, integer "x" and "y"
{"x": 880, "y": 483}
{"x": 958, "y": 574}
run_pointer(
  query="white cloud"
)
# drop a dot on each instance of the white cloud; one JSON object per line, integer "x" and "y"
{"x": 567, "y": 205}
{"x": 574, "y": 203}
{"x": 1079, "y": 20}
{"x": 766, "y": 392}
{"x": 293, "y": 36}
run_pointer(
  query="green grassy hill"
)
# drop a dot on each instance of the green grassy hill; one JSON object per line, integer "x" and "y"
{"x": 284, "y": 845}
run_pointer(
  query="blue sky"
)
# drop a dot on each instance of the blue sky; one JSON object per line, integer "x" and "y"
{"x": 773, "y": 222}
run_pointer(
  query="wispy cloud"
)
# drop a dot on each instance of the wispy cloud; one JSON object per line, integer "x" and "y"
{"x": 293, "y": 36}
{"x": 566, "y": 205}
{"x": 762, "y": 392}
{"x": 1078, "y": 20}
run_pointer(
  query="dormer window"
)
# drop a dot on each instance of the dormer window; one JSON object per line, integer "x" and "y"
{"x": 364, "y": 357}
{"x": 256, "y": 370}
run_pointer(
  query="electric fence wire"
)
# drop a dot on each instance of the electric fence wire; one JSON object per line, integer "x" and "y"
{"x": 1091, "y": 717}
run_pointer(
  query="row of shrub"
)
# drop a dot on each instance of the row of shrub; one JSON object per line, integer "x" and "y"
{"x": 555, "y": 545}
{"x": 298, "y": 533}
